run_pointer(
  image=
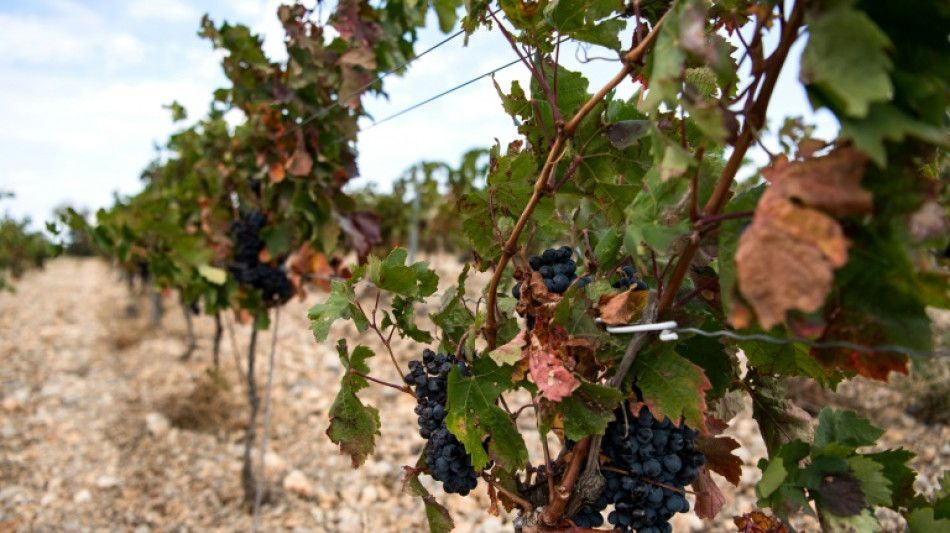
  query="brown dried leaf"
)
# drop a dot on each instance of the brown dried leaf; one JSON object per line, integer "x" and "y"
{"x": 623, "y": 308}
{"x": 831, "y": 183}
{"x": 758, "y": 522}
{"x": 808, "y": 225}
{"x": 777, "y": 273}
{"x": 300, "y": 163}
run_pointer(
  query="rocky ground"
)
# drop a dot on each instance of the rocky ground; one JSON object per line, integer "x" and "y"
{"x": 105, "y": 429}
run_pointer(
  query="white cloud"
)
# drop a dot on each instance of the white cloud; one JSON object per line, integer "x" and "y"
{"x": 68, "y": 34}
{"x": 169, "y": 10}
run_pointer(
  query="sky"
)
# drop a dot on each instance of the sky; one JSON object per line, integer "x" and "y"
{"x": 83, "y": 85}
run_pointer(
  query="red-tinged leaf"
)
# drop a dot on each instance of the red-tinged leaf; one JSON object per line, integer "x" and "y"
{"x": 362, "y": 231}
{"x": 758, "y": 522}
{"x": 672, "y": 386}
{"x": 547, "y": 371}
{"x": 719, "y": 456}
{"x": 623, "y": 308}
{"x": 510, "y": 353}
{"x": 353, "y": 426}
{"x": 709, "y": 499}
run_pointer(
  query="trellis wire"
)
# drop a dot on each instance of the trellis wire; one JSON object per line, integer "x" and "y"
{"x": 815, "y": 344}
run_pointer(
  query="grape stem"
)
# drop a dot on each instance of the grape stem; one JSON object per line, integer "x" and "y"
{"x": 524, "y": 504}
{"x": 564, "y": 131}
{"x": 381, "y": 382}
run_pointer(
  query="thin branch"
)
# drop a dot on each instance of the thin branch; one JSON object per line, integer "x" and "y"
{"x": 723, "y": 217}
{"x": 697, "y": 291}
{"x": 535, "y": 73}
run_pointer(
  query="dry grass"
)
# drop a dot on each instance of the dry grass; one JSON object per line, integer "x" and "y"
{"x": 208, "y": 407}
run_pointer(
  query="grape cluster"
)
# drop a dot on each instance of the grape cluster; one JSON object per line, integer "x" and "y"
{"x": 629, "y": 278}
{"x": 247, "y": 267}
{"x": 446, "y": 457}
{"x": 556, "y": 268}
{"x": 644, "y": 448}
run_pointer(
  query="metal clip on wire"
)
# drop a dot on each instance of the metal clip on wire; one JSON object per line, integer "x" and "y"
{"x": 665, "y": 329}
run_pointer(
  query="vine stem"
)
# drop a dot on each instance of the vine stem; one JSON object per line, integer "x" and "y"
{"x": 565, "y": 131}
{"x": 265, "y": 431}
{"x": 755, "y": 120}
{"x": 234, "y": 348}
{"x": 247, "y": 473}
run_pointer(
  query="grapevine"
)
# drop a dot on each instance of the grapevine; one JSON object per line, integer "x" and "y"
{"x": 605, "y": 211}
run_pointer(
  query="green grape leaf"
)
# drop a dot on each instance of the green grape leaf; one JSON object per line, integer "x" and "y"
{"x": 626, "y": 133}
{"x": 353, "y": 426}
{"x": 607, "y": 249}
{"x": 655, "y": 217}
{"x": 392, "y": 274}
{"x": 865, "y": 522}
{"x": 844, "y": 428}
{"x": 885, "y": 122}
{"x": 588, "y": 410}
{"x": 774, "y": 475}
{"x": 875, "y": 485}
{"x": 473, "y": 416}
{"x": 339, "y": 305}
{"x": 404, "y": 315}
{"x": 783, "y": 360}
{"x": 671, "y": 384}
{"x": 901, "y": 477}
{"x": 846, "y": 61}
{"x": 711, "y": 355}
{"x": 780, "y": 421}
{"x": 440, "y": 521}
{"x": 923, "y": 521}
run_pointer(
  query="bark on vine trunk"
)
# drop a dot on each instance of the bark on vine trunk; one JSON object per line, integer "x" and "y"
{"x": 247, "y": 471}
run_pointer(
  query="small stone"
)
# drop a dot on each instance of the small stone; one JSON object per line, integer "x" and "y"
{"x": 946, "y": 449}
{"x": 350, "y": 521}
{"x": 274, "y": 462}
{"x": 108, "y": 482}
{"x": 297, "y": 483}
{"x": 47, "y": 499}
{"x": 369, "y": 495}
{"x": 142, "y": 529}
{"x": 83, "y": 496}
{"x": 157, "y": 424}
{"x": 10, "y": 404}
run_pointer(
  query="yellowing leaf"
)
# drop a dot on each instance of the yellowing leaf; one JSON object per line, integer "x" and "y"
{"x": 213, "y": 274}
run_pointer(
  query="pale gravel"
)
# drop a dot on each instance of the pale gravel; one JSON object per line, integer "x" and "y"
{"x": 85, "y": 444}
